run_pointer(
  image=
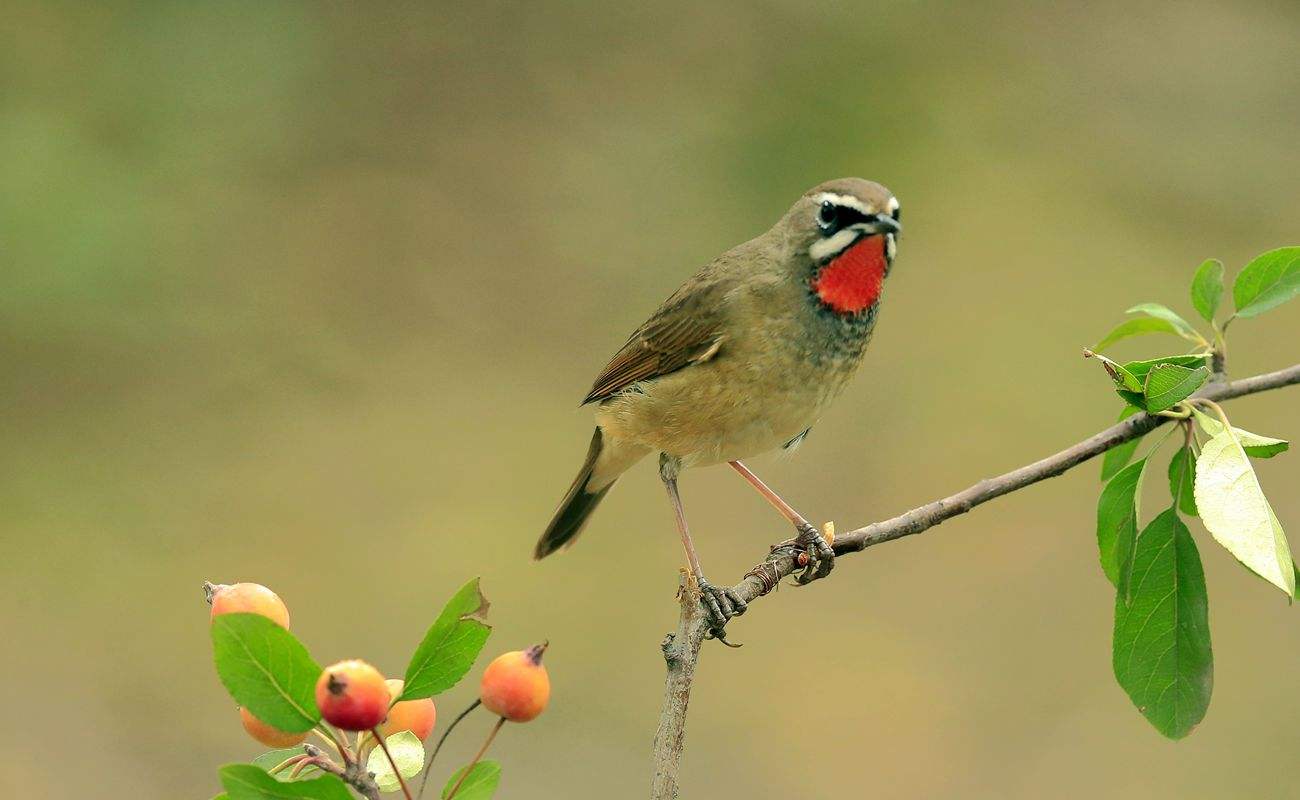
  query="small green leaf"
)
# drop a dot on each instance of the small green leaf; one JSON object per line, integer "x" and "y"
{"x": 1123, "y": 378}
{"x": 247, "y": 782}
{"x": 1115, "y": 458}
{"x": 1182, "y": 472}
{"x": 266, "y": 670}
{"x": 1207, "y": 289}
{"x": 274, "y": 758}
{"x": 450, "y": 645}
{"x": 480, "y": 785}
{"x": 1256, "y": 446}
{"x": 1136, "y": 327}
{"x": 1237, "y": 514}
{"x": 407, "y": 751}
{"x": 1140, "y": 369}
{"x": 1158, "y": 311}
{"x": 1117, "y": 510}
{"x": 1170, "y": 384}
{"x": 1161, "y": 648}
{"x": 1269, "y": 281}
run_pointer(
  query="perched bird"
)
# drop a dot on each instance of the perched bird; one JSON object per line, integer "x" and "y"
{"x": 743, "y": 358}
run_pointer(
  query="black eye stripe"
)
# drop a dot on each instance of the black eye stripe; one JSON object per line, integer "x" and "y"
{"x": 832, "y": 217}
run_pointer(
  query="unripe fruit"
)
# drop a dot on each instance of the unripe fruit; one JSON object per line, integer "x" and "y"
{"x": 253, "y": 598}
{"x": 267, "y": 735}
{"x": 416, "y": 716}
{"x": 515, "y": 685}
{"x": 352, "y": 695}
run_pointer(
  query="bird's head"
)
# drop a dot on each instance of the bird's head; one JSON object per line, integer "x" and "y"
{"x": 842, "y": 235}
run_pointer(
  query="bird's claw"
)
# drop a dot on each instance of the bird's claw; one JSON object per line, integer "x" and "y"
{"x": 820, "y": 556}
{"x": 721, "y": 604}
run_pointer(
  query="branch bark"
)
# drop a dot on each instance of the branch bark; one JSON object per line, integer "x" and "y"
{"x": 682, "y": 648}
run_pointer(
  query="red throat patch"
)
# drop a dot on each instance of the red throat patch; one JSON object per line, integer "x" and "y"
{"x": 852, "y": 281}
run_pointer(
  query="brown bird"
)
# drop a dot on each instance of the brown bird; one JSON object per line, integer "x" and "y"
{"x": 743, "y": 358}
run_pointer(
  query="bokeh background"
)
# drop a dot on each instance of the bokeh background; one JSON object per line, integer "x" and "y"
{"x": 307, "y": 294}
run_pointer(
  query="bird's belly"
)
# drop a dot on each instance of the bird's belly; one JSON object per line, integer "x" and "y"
{"x": 723, "y": 411}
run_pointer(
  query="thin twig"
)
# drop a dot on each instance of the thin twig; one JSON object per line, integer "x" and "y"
{"x": 406, "y": 792}
{"x": 492, "y": 734}
{"x": 682, "y": 648}
{"x": 428, "y": 765}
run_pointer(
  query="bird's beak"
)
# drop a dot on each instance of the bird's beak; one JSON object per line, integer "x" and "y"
{"x": 883, "y": 223}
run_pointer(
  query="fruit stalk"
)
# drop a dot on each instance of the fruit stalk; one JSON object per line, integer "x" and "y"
{"x": 477, "y": 756}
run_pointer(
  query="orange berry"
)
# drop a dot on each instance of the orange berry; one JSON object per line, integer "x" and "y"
{"x": 416, "y": 716}
{"x": 515, "y": 685}
{"x": 268, "y": 735}
{"x": 352, "y": 695}
{"x": 253, "y": 598}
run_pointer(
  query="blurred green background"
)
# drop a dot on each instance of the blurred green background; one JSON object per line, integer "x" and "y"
{"x": 307, "y": 294}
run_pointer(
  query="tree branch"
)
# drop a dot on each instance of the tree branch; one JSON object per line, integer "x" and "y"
{"x": 682, "y": 648}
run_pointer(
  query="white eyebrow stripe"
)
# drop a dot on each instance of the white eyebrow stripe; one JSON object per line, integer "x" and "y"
{"x": 893, "y": 204}
{"x": 844, "y": 200}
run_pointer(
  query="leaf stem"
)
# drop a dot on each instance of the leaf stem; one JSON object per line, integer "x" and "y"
{"x": 491, "y": 735}
{"x": 429, "y": 764}
{"x": 384, "y": 746}
{"x": 288, "y": 762}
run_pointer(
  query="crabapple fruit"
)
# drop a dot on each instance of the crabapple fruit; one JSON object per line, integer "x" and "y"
{"x": 416, "y": 716}
{"x": 515, "y": 685}
{"x": 253, "y": 598}
{"x": 352, "y": 695}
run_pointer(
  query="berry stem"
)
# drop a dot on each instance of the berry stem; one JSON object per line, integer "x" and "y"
{"x": 384, "y": 746}
{"x": 487, "y": 743}
{"x": 429, "y": 764}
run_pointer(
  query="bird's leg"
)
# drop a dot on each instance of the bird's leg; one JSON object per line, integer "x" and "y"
{"x": 820, "y": 552}
{"x": 721, "y": 603}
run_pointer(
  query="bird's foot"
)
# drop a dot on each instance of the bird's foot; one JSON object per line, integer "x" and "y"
{"x": 819, "y": 554}
{"x": 720, "y": 604}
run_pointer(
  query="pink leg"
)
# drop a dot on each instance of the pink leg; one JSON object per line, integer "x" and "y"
{"x": 821, "y": 552}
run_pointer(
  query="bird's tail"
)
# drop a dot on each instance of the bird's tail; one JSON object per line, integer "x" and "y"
{"x": 598, "y": 475}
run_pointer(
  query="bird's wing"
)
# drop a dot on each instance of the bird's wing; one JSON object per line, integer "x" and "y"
{"x": 687, "y": 329}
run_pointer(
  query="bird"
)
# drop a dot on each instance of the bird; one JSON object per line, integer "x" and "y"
{"x": 742, "y": 359}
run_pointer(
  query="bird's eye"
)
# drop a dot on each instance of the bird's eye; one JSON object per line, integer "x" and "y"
{"x": 826, "y": 214}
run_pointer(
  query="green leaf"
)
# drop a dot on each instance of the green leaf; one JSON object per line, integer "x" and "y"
{"x": 407, "y": 751}
{"x": 1207, "y": 288}
{"x": 480, "y": 785}
{"x": 1136, "y": 327}
{"x": 1182, "y": 473}
{"x": 1123, "y": 378}
{"x": 1158, "y": 311}
{"x": 1140, "y": 369}
{"x": 450, "y": 646}
{"x": 1269, "y": 281}
{"x": 1169, "y": 384}
{"x": 266, "y": 670}
{"x": 1256, "y": 446}
{"x": 1237, "y": 514}
{"x": 247, "y": 782}
{"x": 1115, "y": 458}
{"x": 1117, "y": 510}
{"x": 274, "y": 758}
{"x": 1161, "y": 647}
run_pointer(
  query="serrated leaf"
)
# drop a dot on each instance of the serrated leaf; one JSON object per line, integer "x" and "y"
{"x": 1237, "y": 514}
{"x": 1123, "y": 378}
{"x": 1135, "y": 327}
{"x": 267, "y": 670}
{"x": 481, "y": 783}
{"x": 1256, "y": 446}
{"x": 1207, "y": 288}
{"x": 1161, "y": 651}
{"x": 1117, "y": 510}
{"x": 1182, "y": 475}
{"x": 1140, "y": 369}
{"x": 450, "y": 645}
{"x": 1114, "y": 459}
{"x": 274, "y": 758}
{"x": 1170, "y": 384}
{"x": 247, "y": 782}
{"x": 408, "y": 752}
{"x": 1267, "y": 282}
{"x": 1167, "y": 314}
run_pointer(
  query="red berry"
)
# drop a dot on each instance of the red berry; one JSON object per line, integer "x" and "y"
{"x": 515, "y": 685}
{"x": 268, "y": 735}
{"x": 352, "y": 695}
{"x": 416, "y": 716}
{"x": 253, "y": 598}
